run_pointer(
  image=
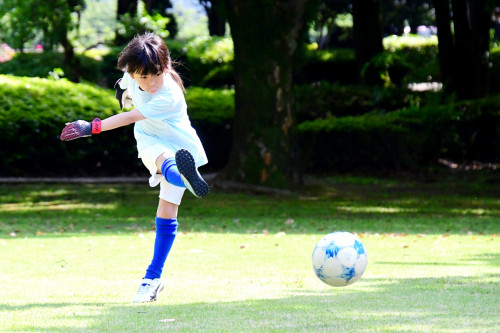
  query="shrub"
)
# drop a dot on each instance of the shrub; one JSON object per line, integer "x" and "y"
{"x": 406, "y": 139}
{"x": 212, "y": 112}
{"x": 335, "y": 66}
{"x": 35, "y": 110}
{"x": 209, "y": 61}
{"x": 32, "y": 64}
{"x": 325, "y": 99}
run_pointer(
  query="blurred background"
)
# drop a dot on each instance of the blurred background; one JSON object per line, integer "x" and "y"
{"x": 383, "y": 87}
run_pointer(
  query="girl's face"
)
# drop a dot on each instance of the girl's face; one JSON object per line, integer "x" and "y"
{"x": 150, "y": 83}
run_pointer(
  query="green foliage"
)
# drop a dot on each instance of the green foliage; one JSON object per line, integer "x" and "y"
{"x": 27, "y": 21}
{"x": 335, "y": 65}
{"x": 129, "y": 26}
{"x": 211, "y": 50}
{"x": 18, "y": 22}
{"x": 215, "y": 106}
{"x": 96, "y": 66}
{"x": 33, "y": 114}
{"x": 495, "y": 69}
{"x": 407, "y": 59}
{"x": 325, "y": 100}
{"x": 209, "y": 60}
{"x": 35, "y": 110}
{"x": 192, "y": 23}
{"x": 32, "y": 64}
{"x": 97, "y": 23}
{"x": 394, "y": 43}
{"x": 211, "y": 113}
{"x": 406, "y": 139}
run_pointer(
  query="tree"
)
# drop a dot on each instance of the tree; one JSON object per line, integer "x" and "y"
{"x": 18, "y": 22}
{"x": 446, "y": 41}
{"x": 50, "y": 21}
{"x": 414, "y": 13}
{"x": 472, "y": 44}
{"x": 367, "y": 25}
{"x": 125, "y": 7}
{"x": 324, "y": 20}
{"x": 162, "y": 7}
{"x": 61, "y": 24}
{"x": 216, "y": 15}
{"x": 266, "y": 35}
{"x": 464, "y": 54}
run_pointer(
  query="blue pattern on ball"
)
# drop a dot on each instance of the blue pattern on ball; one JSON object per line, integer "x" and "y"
{"x": 331, "y": 250}
{"x": 359, "y": 247}
{"x": 348, "y": 274}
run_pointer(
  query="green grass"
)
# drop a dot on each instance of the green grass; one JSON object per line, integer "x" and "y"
{"x": 71, "y": 257}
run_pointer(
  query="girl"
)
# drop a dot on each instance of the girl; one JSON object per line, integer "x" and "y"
{"x": 167, "y": 144}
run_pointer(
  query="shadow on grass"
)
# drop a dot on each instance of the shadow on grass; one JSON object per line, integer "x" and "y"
{"x": 445, "y": 304}
{"x": 374, "y": 207}
{"x": 490, "y": 259}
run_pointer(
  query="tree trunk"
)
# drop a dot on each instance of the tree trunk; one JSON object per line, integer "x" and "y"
{"x": 367, "y": 29}
{"x": 472, "y": 22}
{"x": 216, "y": 18}
{"x": 124, "y": 7}
{"x": 70, "y": 60}
{"x": 265, "y": 36}
{"x": 446, "y": 43}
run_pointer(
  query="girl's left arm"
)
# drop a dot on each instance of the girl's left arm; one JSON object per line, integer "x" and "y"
{"x": 82, "y": 128}
{"x": 121, "y": 119}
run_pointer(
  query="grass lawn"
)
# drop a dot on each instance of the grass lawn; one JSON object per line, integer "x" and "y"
{"x": 71, "y": 258}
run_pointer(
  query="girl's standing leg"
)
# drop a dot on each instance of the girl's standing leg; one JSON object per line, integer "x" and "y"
{"x": 166, "y": 230}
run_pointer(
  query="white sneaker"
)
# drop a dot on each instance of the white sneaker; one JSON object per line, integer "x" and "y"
{"x": 149, "y": 290}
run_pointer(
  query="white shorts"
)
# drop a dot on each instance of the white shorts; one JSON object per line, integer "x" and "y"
{"x": 168, "y": 192}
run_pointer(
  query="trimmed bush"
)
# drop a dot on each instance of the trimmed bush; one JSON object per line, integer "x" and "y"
{"x": 35, "y": 111}
{"x": 325, "y": 99}
{"x": 407, "y": 139}
{"x": 340, "y": 129}
{"x": 211, "y": 113}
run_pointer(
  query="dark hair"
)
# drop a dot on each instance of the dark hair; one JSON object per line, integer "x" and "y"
{"x": 147, "y": 54}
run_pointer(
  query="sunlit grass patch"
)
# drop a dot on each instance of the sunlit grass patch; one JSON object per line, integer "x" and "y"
{"x": 242, "y": 262}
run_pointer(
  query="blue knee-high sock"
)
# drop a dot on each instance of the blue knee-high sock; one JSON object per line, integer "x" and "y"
{"x": 171, "y": 173}
{"x": 166, "y": 230}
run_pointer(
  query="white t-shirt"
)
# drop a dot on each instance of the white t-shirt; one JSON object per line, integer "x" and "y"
{"x": 167, "y": 122}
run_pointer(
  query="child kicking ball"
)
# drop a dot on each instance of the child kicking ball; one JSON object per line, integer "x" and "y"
{"x": 167, "y": 143}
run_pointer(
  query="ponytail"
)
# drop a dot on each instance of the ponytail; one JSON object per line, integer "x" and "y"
{"x": 176, "y": 77}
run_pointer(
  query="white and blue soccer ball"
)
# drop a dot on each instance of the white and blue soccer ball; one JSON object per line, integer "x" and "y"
{"x": 339, "y": 259}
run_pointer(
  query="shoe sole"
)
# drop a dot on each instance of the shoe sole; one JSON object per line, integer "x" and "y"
{"x": 187, "y": 168}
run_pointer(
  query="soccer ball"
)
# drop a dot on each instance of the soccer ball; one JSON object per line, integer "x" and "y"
{"x": 339, "y": 259}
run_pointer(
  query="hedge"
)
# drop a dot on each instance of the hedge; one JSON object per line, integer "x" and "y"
{"x": 35, "y": 110}
{"x": 339, "y": 128}
{"x": 404, "y": 140}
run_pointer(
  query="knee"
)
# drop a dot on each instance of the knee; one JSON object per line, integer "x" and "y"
{"x": 160, "y": 160}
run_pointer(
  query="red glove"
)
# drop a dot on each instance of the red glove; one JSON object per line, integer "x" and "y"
{"x": 80, "y": 129}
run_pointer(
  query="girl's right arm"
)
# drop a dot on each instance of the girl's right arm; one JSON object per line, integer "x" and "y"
{"x": 82, "y": 128}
